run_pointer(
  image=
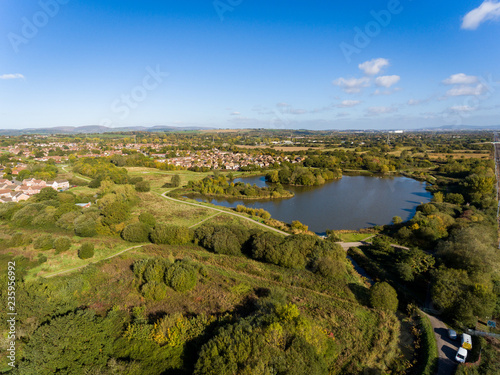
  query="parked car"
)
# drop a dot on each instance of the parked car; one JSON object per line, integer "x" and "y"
{"x": 461, "y": 355}
{"x": 452, "y": 334}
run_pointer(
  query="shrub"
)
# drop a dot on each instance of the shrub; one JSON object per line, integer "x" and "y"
{"x": 44, "y": 242}
{"x": 170, "y": 234}
{"x": 148, "y": 219}
{"x": 142, "y": 186}
{"x": 19, "y": 239}
{"x": 62, "y": 244}
{"x": 137, "y": 232}
{"x": 384, "y": 297}
{"x": 328, "y": 267}
{"x": 135, "y": 180}
{"x": 154, "y": 290}
{"x": 175, "y": 181}
{"x": 154, "y": 270}
{"x": 181, "y": 276}
{"x": 86, "y": 251}
{"x": 85, "y": 226}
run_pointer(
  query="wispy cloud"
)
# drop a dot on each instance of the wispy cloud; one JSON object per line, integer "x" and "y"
{"x": 387, "y": 81}
{"x": 462, "y": 108}
{"x": 352, "y": 85}
{"x": 460, "y": 79}
{"x": 348, "y": 103}
{"x": 374, "y": 66}
{"x": 480, "y": 89}
{"x": 488, "y": 10}
{"x": 12, "y": 76}
{"x": 235, "y": 113}
{"x": 375, "y": 111}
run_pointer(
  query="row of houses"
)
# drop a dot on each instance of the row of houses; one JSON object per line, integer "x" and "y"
{"x": 15, "y": 191}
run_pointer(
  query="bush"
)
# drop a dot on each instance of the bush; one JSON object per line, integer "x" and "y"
{"x": 62, "y": 244}
{"x": 154, "y": 290}
{"x": 142, "y": 186}
{"x": 86, "y": 251}
{"x": 137, "y": 232}
{"x": 148, "y": 219}
{"x": 170, "y": 235}
{"x": 384, "y": 297}
{"x": 44, "y": 242}
{"x": 85, "y": 226}
{"x": 175, "y": 181}
{"x": 181, "y": 276}
{"x": 19, "y": 239}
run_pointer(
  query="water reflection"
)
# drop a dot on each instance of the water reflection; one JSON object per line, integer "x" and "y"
{"x": 353, "y": 202}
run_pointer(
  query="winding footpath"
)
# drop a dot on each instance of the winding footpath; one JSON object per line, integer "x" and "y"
{"x": 97, "y": 261}
{"x": 164, "y": 195}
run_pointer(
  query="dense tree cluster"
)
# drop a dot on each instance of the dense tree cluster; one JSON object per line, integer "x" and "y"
{"x": 221, "y": 186}
{"x": 290, "y": 174}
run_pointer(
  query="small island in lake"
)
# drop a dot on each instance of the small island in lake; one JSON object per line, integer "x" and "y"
{"x": 221, "y": 186}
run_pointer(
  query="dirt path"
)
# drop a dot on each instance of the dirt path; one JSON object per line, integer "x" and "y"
{"x": 63, "y": 167}
{"x": 225, "y": 212}
{"x": 97, "y": 261}
{"x": 447, "y": 349}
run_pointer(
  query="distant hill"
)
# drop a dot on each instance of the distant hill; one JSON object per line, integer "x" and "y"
{"x": 95, "y": 129}
{"x": 460, "y": 128}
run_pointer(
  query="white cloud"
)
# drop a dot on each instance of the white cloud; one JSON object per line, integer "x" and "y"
{"x": 12, "y": 76}
{"x": 297, "y": 111}
{"x": 374, "y": 66}
{"x": 415, "y": 101}
{"x": 462, "y": 108}
{"x": 386, "y": 92}
{"x": 282, "y": 105}
{"x": 387, "y": 81}
{"x": 374, "y": 111}
{"x": 235, "y": 113}
{"x": 352, "y": 85}
{"x": 460, "y": 79}
{"x": 488, "y": 10}
{"x": 467, "y": 90}
{"x": 348, "y": 103}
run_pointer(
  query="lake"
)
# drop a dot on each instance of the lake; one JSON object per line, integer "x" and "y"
{"x": 354, "y": 202}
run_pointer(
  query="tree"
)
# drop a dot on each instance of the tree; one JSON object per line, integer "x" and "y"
{"x": 397, "y": 220}
{"x": 47, "y": 193}
{"x": 136, "y": 232}
{"x": 75, "y": 343}
{"x": 142, "y": 186}
{"x": 62, "y": 244}
{"x": 175, "y": 181}
{"x": 384, "y": 297}
{"x": 86, "y": 251}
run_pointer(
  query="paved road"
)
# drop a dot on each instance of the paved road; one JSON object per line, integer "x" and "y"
{"x": 225, "y": 212}
{"x": 447, "y": 349}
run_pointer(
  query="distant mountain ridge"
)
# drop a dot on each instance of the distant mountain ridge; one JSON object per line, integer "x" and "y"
{"x": 96, "y": 129}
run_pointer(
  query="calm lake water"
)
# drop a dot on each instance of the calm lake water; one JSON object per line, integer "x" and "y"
{"x": 353, "y": 202}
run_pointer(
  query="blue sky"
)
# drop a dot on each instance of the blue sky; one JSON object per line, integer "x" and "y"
{"x": 250, "y": 63}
